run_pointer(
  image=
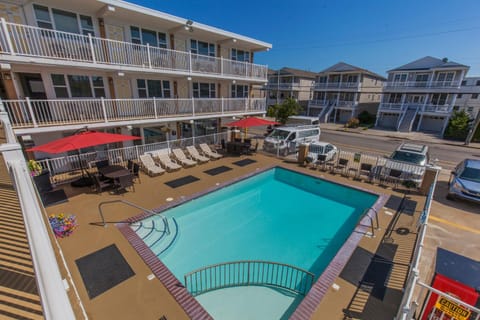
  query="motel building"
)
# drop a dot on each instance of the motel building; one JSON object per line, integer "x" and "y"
{"x": 118, "y": 67}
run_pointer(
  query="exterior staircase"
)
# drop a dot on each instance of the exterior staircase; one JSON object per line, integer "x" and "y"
{"x": 325, "y": 114}
{"x": 407, "y": 119}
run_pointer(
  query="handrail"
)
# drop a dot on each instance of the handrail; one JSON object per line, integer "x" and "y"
{"x": 365, "y": 213}
{"x": 248, "y": 273}
{"x": 100, "y": 205}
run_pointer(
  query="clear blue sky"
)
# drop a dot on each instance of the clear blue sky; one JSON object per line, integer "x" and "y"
{"x": 373, "y": 34}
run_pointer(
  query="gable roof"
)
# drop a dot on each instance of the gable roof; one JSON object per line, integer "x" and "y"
{"x": 429, "y": 62}
{"x": 294, "y": 72}
{"x": 345, "y": 67}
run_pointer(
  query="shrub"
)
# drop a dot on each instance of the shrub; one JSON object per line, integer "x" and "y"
{"x": 458, "y": 125}
{"x": 352, "y": 123}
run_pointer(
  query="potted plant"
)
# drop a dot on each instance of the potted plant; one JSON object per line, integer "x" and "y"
{"x": 34, "y": 167}
{"x": 62, "y": 225}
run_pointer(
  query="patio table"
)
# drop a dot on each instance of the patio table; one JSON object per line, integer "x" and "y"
{"x": 114, "y": 171}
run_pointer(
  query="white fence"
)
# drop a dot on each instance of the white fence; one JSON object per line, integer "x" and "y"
{"x": 29, "y": 41}
{"x": 34, "y": 113}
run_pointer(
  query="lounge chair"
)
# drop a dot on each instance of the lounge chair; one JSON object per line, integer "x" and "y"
{"x": 184, "y": 160}
{"x": 209, "y": 152}
{"x": 149, "y": 166}
{"x": 197, "y": 156}
{"x": 167, "y": 162}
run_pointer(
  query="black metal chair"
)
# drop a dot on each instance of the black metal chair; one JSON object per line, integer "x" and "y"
{"x": 321, "y": 160}
{"x": 136, "y": 172}
{"x": 253, "y": 149}
{"x": 102, "y": 163}
{"x": 366, "y": 171}
{"x": 100, "y": 184}
{"x": 124, "y": 182}
{"x": 393, "y": 176}
{"x": 341, "y": 166}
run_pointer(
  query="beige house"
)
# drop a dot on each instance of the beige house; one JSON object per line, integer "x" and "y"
{"x": 289, "y": 83}
{"x": 468, "y": 98}
{"x": 420, "y": 95}
{"x": 343, "y": 91}
{"x": 121, "y": 67}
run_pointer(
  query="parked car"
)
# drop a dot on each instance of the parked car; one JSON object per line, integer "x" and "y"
{"x": 317, "y": 148}
{"x": 465, "y": 181}
{"x": 412, "y": 153}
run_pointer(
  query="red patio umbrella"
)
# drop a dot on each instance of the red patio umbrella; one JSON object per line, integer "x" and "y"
{"x": 82, "y": 139}
{"x": 251, "y": 122}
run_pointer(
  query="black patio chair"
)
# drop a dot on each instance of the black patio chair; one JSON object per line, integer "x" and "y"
{"x": 100, "y": 184}
{"x": 366, "y": 171}
{"x": 393, "y": 176}
{"x": 341, "y": 166}
{"x": 124, "y": 182}
{"x": 252, "y": 149}
{"x": 136, "y": 172}
{"x": 48, "y": 196}
{"x": 321, "y": 160}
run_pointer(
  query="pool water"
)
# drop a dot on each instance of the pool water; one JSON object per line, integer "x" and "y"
{"x": 278, "y": 215}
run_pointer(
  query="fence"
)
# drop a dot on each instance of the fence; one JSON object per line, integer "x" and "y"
{"x": 249, "y": 273}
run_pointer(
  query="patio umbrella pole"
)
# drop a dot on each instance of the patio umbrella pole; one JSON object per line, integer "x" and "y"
{"x": 85, "y": 180}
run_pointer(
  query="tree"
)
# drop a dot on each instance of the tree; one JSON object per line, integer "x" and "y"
{"x": 458, "y": 125}
{"x": 281, "y": 112}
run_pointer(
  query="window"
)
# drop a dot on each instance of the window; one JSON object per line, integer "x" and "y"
{"x": 239, "y": 91}
{"x": 477, "y": 83}
{"x": 203, "y": 90}
{"x": 350, "y": 78}
{"x": 60, "y": 86}
{"x": 63, "y": 20}
{"x": 400, "y": 77}
{"x": 78, "y": 86}
{"x": 421, "y": 80}
{"x": 395, "y": 98}
{"x": 439, "y": 98}
{"x": 459, "y": 96}
{"x": 464, "y": 83}
{"x": 445, "y": 76}
{"x": 322, "y": 79}
{"x": 240, "y": 55}
{"x": 43, "y": 17}
{"x": 153, "y": 88}
{"x": 202, "y": 48}
{"x": 144, "y": 36}
{"x": 474, "y": 95}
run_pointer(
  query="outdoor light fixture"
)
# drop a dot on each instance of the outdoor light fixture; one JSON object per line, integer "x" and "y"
{"x": 121, "y": 74}
{"x": 234, "y": 40}
{"x": 188, "y": 25}
{"x": 234, "y": 81}
{"x": 189, "y": 78}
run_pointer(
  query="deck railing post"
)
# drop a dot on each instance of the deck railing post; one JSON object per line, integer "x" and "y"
{"x": 221, "y": 65}
{"x": 104, "y": 109}
{"x": 155, "y": 107}
{"x": 30, "y": 109}
{"x": 92, "y": 49}
{"x": 7, "y": 36}
{"x": 148, "y": 57}
{"x": 193, "y": 106}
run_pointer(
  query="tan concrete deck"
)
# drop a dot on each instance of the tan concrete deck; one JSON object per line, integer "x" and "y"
{"x": 141, "y": 298}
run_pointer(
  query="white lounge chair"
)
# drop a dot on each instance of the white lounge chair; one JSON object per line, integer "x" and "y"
{"x": 209, "y": 152}
{"x": 149, "y": 165}
{"x": 184, "y": 160}
{"x": 166, "y": 161}
{"x": 197, "y": 156}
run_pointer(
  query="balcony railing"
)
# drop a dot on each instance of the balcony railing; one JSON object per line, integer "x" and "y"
{"x": 346, "y": 104}
{"x": 392, "y": 106}
{"x": 29, "y": 41}
{"x": 286, "y": 86}
{"x": 423, "y": 84}
{"x": 34, "y": 113}
{"x": 338, "y": 85}
{"x": 434, "y": 108}
{"x": 317, "y": 103}
{"x": 429, "y": 108}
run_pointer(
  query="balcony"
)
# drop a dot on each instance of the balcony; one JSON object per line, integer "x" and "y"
{"x": 22, "y": 42}
{"x": 59, "y": 112}
{"x": 317, "y": 103}
{"x": 343, "y": 104}
{"x": 285, "y": 86}
{"x": 337, "y": 85}
{"x": 423, "y": 84}
{"x": 389, "y": 107}
{"x": 432, "y": 109}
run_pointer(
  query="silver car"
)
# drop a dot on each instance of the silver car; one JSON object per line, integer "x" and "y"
{"x": 465, "y": 181}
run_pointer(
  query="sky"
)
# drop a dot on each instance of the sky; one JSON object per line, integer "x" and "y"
{"x": 372, "y": 34}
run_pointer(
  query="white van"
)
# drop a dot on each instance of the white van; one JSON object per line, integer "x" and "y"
{"x": 285, "y": 140}
{"x": 302, "y": 120}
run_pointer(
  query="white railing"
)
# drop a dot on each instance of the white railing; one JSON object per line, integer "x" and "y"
{"x": 392, "y": 106}
{"x": 286, "y": 86}
{"x": 433, "y": 108}
{"x": 337, "y": 85}
{"x": 54, "y": 298}
{"x": 29, "y": 41}
{"x": 34, "y": 113}
{"x": 317, "y": 103}
{"x": 346, "y": 104}
{"x": 423, "y": 84}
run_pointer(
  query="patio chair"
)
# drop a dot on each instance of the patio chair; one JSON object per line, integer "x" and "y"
{"x": 366, "y": 171}
{"x": 134, "y": 169}
{"x": 100, "y": 184}
{"x": 253, "y": 149}
{"x": 124, "y": 182}
{"x": 393, "y": 176}
{"x": 167, "y": 162}
{"x": 341, "y": 166}
{"x": 209, "y": 152}
{"x": 184, "y": 160}
{"x": 149, "y": 165}
{"x": 197, "y": 156}
{"x": 45, "y": 190}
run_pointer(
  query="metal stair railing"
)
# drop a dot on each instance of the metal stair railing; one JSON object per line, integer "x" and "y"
{"x": 249, "y": 273}
{"x": 103, "y": 223}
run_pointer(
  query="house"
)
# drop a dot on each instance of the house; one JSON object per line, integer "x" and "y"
{"x": 289, "y": 83}
{"x": 468, "y": 98}
{"x": 343, "y": 91}
{"x": 120, "y": 67}
{"x": 420, "y": 95}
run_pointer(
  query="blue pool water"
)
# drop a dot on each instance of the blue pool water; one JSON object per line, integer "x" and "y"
{"x": 278, "y": 215}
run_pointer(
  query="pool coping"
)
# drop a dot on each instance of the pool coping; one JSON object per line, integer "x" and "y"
{"x": 192, "y": 307}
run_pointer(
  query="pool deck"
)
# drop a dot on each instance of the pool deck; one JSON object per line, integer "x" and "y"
{"x": 387, "y": 254}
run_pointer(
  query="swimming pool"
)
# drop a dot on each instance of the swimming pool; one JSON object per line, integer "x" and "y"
{"x": 278, "y": 215}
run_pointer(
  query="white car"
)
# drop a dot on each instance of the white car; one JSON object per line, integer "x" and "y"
{"x": 325, "y": 150}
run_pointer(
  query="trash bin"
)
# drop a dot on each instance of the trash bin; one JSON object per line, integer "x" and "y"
{"x": 302, "y": 152}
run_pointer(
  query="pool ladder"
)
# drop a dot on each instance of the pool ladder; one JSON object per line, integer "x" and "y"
{"x": 377, "y": 226}
{"x": 128, "y": 203}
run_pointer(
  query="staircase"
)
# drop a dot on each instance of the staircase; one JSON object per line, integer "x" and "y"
{"x": 325, "y": 114}
{"x": 407, "y": 119}
{"x": 154, "y": 233}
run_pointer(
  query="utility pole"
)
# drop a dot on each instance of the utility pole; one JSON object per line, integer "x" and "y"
{"x": 473, "y": 129}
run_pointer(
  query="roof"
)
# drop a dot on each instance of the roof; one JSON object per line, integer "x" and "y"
{"x": 458, "y": 268}
{"x": 131, "y": 7}
{"x": 429, "y": 62}
{"x": 294, "y": 72}
{"x": 345, "y": 67}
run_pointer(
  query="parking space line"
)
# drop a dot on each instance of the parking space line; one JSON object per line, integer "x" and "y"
{"x": 458, "y": 226}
